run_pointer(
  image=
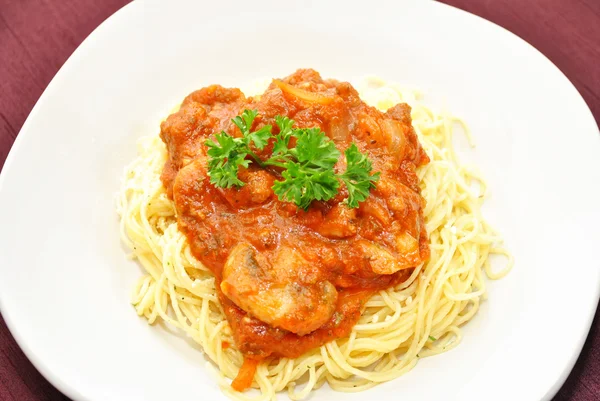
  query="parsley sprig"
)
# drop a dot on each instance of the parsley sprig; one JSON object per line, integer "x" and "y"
{"x": 229, "y": 153}
{"x": 307, "y": 169}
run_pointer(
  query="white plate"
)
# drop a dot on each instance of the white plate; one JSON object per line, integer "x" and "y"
{"x": 64, "y": 280}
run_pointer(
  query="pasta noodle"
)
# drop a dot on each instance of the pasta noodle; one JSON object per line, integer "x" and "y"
{"x": 420, "y": 317}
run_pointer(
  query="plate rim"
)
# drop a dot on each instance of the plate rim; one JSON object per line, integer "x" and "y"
{"x": 70, "y": 390}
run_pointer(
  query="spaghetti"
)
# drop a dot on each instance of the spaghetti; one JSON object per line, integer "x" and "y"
{"x": 418, "y": 318}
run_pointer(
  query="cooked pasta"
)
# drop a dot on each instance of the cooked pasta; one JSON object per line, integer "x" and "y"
{"x": 419, "y": 317}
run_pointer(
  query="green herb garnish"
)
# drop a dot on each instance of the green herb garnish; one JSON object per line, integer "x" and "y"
{"x": 229, "y": 153}
{"x": 307, "y": 173}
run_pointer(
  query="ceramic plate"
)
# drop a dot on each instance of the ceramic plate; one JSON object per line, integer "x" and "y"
{"x": 65, "y": 282}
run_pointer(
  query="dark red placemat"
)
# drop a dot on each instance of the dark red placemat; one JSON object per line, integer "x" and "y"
{"x": 36, "y": 37}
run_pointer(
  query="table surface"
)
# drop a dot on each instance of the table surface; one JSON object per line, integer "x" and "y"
{"x": 37, "y": 36}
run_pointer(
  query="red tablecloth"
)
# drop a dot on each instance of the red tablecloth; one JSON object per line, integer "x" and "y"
{"x": 37, "y": 36}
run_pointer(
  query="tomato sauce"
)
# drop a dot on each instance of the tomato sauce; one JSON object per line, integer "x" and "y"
{"x": 291, "y": 280}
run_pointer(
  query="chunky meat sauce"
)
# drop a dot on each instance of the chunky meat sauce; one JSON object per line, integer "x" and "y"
{"x": 290, "y": 280}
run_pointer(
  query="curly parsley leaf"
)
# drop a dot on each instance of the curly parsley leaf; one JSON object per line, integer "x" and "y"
{"x": 285, "y": 125}
{"x": 357, "y": 177}
{"x": 310, "y": 176}
{"x": 225, "y": 158}
{"x": 245, "y": 121}
{"x": 227, "y": 154}
{"x": 261, "y": 137}
{"x": 314, "y": 147}
{"x": 282, "y": 140}
{"x": 302, "y": 184}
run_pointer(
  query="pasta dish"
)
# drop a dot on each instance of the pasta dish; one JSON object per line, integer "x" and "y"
{"x": 308, "y": 233}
